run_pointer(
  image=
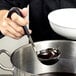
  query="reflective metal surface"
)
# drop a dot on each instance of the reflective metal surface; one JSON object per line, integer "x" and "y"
{"x": 25, "y": 59}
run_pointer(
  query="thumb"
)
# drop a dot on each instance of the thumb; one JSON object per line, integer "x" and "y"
{"x": 25, "y": 11}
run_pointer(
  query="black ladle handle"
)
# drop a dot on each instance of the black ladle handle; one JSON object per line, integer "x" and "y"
{"x": 16, "y": 10}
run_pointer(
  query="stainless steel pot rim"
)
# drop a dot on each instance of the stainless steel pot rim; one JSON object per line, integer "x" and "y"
{"x": 27, "y": 45}
{"x": 44, "y": 41}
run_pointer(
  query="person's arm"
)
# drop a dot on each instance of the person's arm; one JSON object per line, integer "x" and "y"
{"x": 11, "y": 27}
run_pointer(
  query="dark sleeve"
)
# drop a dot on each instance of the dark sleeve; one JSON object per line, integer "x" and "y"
{"x": 50, "y": 5}
{"x": 1, "y": 35}
{"x": 7, "y": 4}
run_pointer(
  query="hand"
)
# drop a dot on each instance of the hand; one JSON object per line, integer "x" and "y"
{"x": 13, "y": 27}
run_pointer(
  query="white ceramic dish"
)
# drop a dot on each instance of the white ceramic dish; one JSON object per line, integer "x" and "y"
{"x": 63, "y": 22}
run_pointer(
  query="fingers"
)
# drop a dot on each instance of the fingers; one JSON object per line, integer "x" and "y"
{"x": 11, "y": 29}
{"x": 7, "y": 30}
{"x": 19, "y": 20}
{"x": 15, "y": 26}
{"x": 7, "y": 33}
{"x": 24, "y": 11}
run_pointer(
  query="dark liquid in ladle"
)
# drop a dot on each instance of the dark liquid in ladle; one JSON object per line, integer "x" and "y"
{"x": 48, "y": 56}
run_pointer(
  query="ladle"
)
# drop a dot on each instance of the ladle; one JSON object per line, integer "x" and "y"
{"x": 47, "y": 56}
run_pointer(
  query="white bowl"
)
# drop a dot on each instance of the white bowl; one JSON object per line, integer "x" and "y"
{"x": 63, "y": 22}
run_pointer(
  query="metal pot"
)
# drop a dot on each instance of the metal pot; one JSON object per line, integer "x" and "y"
{"x": 24, "y": 60}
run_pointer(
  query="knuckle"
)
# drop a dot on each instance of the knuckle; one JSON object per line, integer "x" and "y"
{"x": 14, "y": 17}
{"x": 25, "y": 22}
{"x": 4, "y": 24}
{"x": 20, "y": 29}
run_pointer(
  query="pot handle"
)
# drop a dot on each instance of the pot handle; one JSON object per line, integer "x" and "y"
{"x": 2, "y": 66}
